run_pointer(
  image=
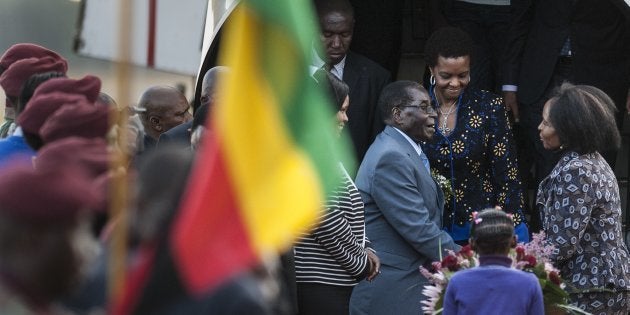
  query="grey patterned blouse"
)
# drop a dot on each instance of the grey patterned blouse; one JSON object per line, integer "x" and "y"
{"x": 581, "y": 210}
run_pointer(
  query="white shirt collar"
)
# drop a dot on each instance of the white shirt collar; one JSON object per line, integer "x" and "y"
{"x": 338, "y": 68}
{"x": 413, "y": 143}
{"x": 317, "y": 63}
{"x": 18, "y": 131}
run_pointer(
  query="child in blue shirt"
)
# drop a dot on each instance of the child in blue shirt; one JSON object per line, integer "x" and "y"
{"x": 493, "y": 287}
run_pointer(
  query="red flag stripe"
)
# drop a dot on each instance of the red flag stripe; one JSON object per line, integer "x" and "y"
{"x": 210, "y": 208}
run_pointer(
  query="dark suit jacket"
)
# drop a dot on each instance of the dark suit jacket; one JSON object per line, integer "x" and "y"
{"x": 600, "y": 43}
{"x": 366, "y": 80}
{"x": 403, "y": 220}
{"x": 179, "y": 134}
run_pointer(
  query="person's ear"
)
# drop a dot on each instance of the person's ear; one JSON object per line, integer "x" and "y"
{"x": 155, "y": 123}
{"x": 396, "y": 111}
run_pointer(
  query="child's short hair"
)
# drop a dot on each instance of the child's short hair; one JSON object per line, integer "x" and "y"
{"x": 492, "y": 230}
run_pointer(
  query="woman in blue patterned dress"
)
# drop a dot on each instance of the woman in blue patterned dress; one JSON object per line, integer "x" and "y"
{"x": 580, "y": 202}
{"x": 472, "y": 145}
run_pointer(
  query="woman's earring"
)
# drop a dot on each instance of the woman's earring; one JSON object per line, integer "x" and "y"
{"x": 432, "y": 79}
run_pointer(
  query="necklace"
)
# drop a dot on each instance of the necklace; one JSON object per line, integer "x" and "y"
{"x": 444, "y": 117}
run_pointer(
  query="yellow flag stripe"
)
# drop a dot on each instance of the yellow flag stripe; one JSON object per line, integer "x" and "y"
{"x": 275, "y": 182}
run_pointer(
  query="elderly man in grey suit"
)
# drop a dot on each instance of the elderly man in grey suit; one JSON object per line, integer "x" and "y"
{"x": 403, "y": 204}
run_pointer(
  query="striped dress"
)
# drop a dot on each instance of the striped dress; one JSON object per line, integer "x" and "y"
{"x": 333, "y": 253}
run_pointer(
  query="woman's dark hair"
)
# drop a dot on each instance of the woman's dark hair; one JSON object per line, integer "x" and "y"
{"x": 448, "y": 42}
{"x": 492, "y": 231}
{"x": 336, "y": 89}
{"x": 584, "y": 118}
{"x": 31, "y": 84}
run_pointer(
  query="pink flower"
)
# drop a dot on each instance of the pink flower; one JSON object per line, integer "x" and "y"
{"x": 555, "y": 278}
{"x": 434, "y": 278}
{"x": 433, "y": 294}
{"x": 534, "y": 257}
{"x": 467, "y": 251}
{"x": 520, "y": 252}
{"x": 539, "y": 247}
{"x": 436, "y": 265}
{"x": 450, "y": 262}
{"x": 531, "y": 261}
{"x": 549, "y": 267}
{"x": 426, "y": 273}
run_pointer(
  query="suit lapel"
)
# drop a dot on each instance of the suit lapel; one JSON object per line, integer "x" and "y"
{"x": 415, "y": 158}
{"x": 624, "y": 7}
{"x": 351, "y": 72}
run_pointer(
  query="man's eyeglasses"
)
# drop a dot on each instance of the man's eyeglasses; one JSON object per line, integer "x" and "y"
{"x": 425, "y": 106}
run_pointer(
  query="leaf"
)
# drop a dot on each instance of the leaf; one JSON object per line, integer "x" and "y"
{"x": 572, "y": 309}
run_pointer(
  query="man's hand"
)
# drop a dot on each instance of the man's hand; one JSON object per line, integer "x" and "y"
{"x": 511, "y": 104}
{"x": 375, "y": 265}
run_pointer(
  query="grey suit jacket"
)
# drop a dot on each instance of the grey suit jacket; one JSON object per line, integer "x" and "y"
{"x": 403, "y": 217}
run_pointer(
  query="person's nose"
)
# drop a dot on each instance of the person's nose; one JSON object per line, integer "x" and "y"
{"x": 335, "y": 41}
{"x": 188, "y": 117}
{"x": 456, "y": 82}
{"x": 344, "y": 118}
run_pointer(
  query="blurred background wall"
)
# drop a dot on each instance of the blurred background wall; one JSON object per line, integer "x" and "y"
{"x": 53, "y": 24}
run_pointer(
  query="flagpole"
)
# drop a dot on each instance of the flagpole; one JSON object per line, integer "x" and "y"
{"x": 118, "y": 188}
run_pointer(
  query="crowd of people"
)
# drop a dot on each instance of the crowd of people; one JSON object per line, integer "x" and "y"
{"x": 531, "y": 98}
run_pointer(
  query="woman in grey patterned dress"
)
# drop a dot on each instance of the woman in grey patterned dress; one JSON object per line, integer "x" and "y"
{"x": 579, "y": 200}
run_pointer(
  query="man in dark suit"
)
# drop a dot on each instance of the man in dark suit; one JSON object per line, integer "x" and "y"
{"x": 181, "y": 134}
{"x": 365, "y": 78}
{"x": 403, "y": 205}
{"x": 580, "y": 41}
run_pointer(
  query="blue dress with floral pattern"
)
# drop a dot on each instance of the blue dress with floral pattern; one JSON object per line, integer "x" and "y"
{"x": 479, "y": 158}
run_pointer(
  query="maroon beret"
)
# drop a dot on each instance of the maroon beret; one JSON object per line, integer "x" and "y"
{"x": 50, "y": 195}
{"x": 14, "y": 77}
{"x": 91, "y": 155}
{"x": 89, "y": 86}
{"x": 41, "y": 106}
{"x": 81, "y": 120}
{"x": 23, "y": 51}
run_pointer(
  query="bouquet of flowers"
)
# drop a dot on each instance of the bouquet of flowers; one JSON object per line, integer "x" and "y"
{"x": 531, "y": 257}
{"x": 443, "y": 183}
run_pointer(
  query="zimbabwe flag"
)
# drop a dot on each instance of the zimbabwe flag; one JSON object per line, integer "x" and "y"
{"x": 264, "y": 170}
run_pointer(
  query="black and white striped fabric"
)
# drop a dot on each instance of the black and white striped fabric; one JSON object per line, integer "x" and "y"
{"x": 333, "y": 252}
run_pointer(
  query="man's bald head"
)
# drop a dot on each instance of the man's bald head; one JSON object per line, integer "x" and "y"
{"x": 209, "y": 84}
{"x": 162, "y": 108}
